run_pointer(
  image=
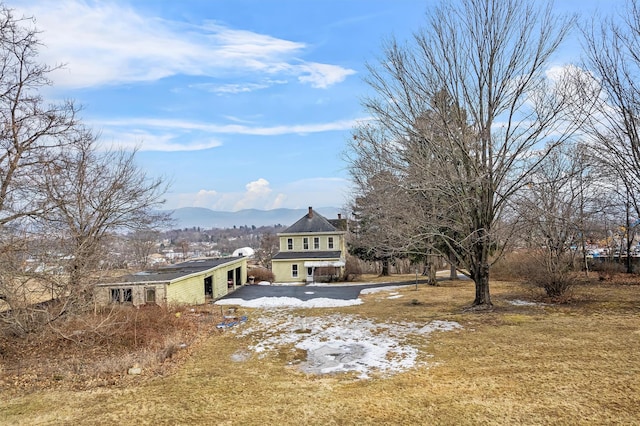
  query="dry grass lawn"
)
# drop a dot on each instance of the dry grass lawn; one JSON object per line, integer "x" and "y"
{"x": 575, "y": 363}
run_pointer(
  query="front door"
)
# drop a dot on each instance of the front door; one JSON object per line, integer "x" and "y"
{"x": 309, "y": 274}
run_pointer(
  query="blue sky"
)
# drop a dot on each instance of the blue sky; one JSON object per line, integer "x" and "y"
{"x": 237, "y": 103}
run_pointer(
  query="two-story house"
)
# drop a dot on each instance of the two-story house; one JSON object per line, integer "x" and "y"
{"x": 310, "y": 248}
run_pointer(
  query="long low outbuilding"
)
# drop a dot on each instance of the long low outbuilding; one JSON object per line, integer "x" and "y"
{"x": 192, "y": 282}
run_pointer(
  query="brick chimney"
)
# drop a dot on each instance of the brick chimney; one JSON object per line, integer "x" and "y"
{"x": 310, "y": 215}
{"x": 339, "y": 216}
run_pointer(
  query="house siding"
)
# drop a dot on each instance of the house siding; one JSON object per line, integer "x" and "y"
{"x": 188, "y": 291}
{"x": 282, "y": 268}
{"x": 338, "y": 242}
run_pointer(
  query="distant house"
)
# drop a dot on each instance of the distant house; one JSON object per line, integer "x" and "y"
{"x": 311, "y": 249}
{"x": 193, "y": 282}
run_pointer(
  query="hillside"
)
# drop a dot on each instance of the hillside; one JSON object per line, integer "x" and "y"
{"x": 189, "y": 217}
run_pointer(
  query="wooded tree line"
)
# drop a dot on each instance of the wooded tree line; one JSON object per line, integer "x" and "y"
{"x": 476, "y": 144}
{"x": 62, "y": 193}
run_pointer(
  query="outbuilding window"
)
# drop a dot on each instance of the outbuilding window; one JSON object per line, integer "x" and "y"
{"x": 150, "y": 295}
{"x": 121, "y": 295}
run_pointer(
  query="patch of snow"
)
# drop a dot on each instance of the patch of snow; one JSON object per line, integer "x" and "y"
{"x": 519, "y": 302}
{"x": 241, "y": 356}
{"x": 395, "y": 296}
{"x": 289, "y": 302}
{"x": 342, "y": 343}
{"x": 438, "y": 325}
{"x": 379, "y": 289}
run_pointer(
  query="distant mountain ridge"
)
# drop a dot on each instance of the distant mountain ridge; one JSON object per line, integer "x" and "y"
{"x": 189, "y": 217}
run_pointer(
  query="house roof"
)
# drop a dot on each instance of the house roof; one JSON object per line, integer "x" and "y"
{"x": 172, "y": 272}
{"x": 310, "y": 223}
{"x": 340, "y": 224}
{"x": 290, "y": 255}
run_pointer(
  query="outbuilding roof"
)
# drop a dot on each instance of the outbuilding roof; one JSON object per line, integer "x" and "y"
{"x": 172, "y": 272}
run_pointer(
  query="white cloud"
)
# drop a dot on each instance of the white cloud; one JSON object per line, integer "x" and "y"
{"x": 278, "y": 202}
{"x": 234, "y": 88}
{"x": 159, "y": 123}
{"x": 112, "y": 43}
{"x": 170, "y": 135}
{"x": 322, "y": 76}
{"x": 205, "y": 198}
{"x": 259, "y": 194}
{"x": 149, "y": 141}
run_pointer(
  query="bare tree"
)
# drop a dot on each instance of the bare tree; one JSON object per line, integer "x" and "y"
{"x": 612, "y": 106}
{"x": 32, "y": 132}
{"x": 96, "y": 193}
{"x": 142, "y": 242}
{"x": 269, "y": 246}
{"x": 489, "y": 57}
{"x": 611, "y": 100}
{"x": 554, "y": 207}
{"x": 29, "y": 128}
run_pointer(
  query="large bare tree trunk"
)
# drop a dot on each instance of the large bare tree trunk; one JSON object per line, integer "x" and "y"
{"x": 453, "y": 269}
{"x": 385, "y": 268}
{"x": 481, "y": 280}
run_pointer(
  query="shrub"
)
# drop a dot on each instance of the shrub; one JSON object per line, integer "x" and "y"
{"x": 552, "y": 273}
{"x": 352, "y": 269}
{"x": 261, "y": 274}
{"x": 511, "y": 267}
{"x": 98, "y": 347}
{"x": 538, "y": 268}
{"x": 607, "y": 268}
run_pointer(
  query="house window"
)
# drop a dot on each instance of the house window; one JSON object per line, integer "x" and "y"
{"x": 316, "y": 243}
{"x": 289, "y": 243}
{"x": 294, "y": 271}
{"x": 150, "y": 295}
{"x": 330, "y": 242}
{"x": 121, "y": 295}
{"x": 305, "y": 243}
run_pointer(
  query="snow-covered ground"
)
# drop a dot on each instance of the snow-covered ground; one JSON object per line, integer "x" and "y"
{"x": 335, "y": 343}
{"x": 518, "y": 302}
